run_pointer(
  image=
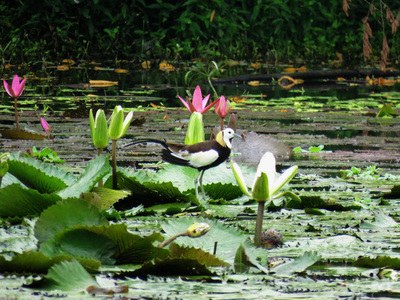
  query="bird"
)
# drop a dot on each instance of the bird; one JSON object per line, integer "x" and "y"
{"x": 201, "y": 156}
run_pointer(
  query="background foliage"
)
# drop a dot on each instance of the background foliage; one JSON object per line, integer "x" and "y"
{"x": 273, "y": 30}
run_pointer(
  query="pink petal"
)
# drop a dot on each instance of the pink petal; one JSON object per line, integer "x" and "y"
{"x": 18, "y": 86}
{"x": 209, "y": 106}
{"x": 197, "y": 100}
{"x": 204, "y": 102}
{"x": 186, "y": 104}
{"x": 7, "y": 88}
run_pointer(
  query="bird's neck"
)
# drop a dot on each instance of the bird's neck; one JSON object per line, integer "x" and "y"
{"x": 223, "y": 141}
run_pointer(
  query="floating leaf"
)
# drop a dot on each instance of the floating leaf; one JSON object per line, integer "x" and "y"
{"x": 102, "y": 83}
{"x": 221, "y": 238}
{"x": 298, "y": 265}
{"x": 95, "y": 170}
{"x": 104, "y": 198}
{"x": 38, "y": 175}
{"x": 66, "y": 276}
{"x": 131, "y": 248}
{"x": 378, "y": 262}
{"x": 19, "y": 134}
{"x": 38, "y": 262}
{"x": 66, "y": 214}
{"x": 204, "y": 258}
{"x": 82, "y": 243}
{"x": 16, "y": 200}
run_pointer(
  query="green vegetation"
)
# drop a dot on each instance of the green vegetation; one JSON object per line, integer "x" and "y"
{"x": 276, "y": 31}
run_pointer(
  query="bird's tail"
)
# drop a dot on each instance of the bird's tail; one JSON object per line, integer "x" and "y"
{"x": 145, "y": 141}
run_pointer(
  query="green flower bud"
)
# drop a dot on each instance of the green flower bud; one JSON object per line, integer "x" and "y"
{"x": 195, "y": 130}
{"x": 119, "y": 125}
{"x": 197, "y": 229}
{"x": 98, "y": 129}
{"x": 261, "y": 191}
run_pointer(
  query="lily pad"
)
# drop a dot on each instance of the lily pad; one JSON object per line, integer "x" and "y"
{"x": 19, "y": 134}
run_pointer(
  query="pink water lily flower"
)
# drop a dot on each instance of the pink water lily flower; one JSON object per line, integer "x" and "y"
{"x": 198, "y": 103}
{"x": 17, "y": 87}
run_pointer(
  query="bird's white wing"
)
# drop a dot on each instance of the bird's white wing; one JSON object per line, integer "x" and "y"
{"x": 202, "y": 158}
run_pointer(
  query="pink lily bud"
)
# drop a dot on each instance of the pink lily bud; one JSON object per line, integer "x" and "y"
{"x": 17, "y": 87}
{"x": 223, "y": 107}
{"x": 46, "y": 127}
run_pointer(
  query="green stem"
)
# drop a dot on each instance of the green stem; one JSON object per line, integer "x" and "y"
{"x": 171, "y": 239}
{"x": 259, "y": 223}
{"x": 114, "y": 164}
{"x": 100, "y": 152}
{"x": 16, "y": 112}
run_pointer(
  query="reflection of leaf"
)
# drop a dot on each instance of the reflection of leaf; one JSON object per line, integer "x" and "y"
{"x": 298, "y": 265}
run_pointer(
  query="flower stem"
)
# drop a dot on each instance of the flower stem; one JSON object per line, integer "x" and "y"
{"x": 222, "y": 125}
{"x": 100, "y": 152}
{"x": 259, "y": 223}
{"x": 16, "y": 112}
{"x": 171, "y": 239}
{"x": 114, "y": 164}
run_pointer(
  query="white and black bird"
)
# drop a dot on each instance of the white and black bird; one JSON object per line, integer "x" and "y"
{"x": 200, "y": 156}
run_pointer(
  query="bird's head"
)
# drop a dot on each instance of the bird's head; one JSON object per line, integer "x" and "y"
{"x": 225, "y": 137}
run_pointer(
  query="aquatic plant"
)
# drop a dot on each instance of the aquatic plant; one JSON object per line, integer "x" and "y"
{"x": 117, "y": 129}
{"x": 46, "y": 126}
{"x": 194, "y": 231}
{"x": 15, "y": 90}
{"x": 99, "y": 130}
{"x": 3, "y": 165}
{"x": 197, "y": 107}
{"x": 266, "y": 186}
{"x": 222, "y": 108}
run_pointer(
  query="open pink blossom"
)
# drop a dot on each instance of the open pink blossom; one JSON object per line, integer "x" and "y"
{"x": 17, "y": 86}
{"x": 198, "y": 103}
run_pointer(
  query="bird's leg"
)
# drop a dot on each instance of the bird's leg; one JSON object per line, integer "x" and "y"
{"x": 199, "y": 181}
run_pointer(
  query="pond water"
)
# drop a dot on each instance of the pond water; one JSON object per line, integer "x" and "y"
{"x": 340, "y": 116}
